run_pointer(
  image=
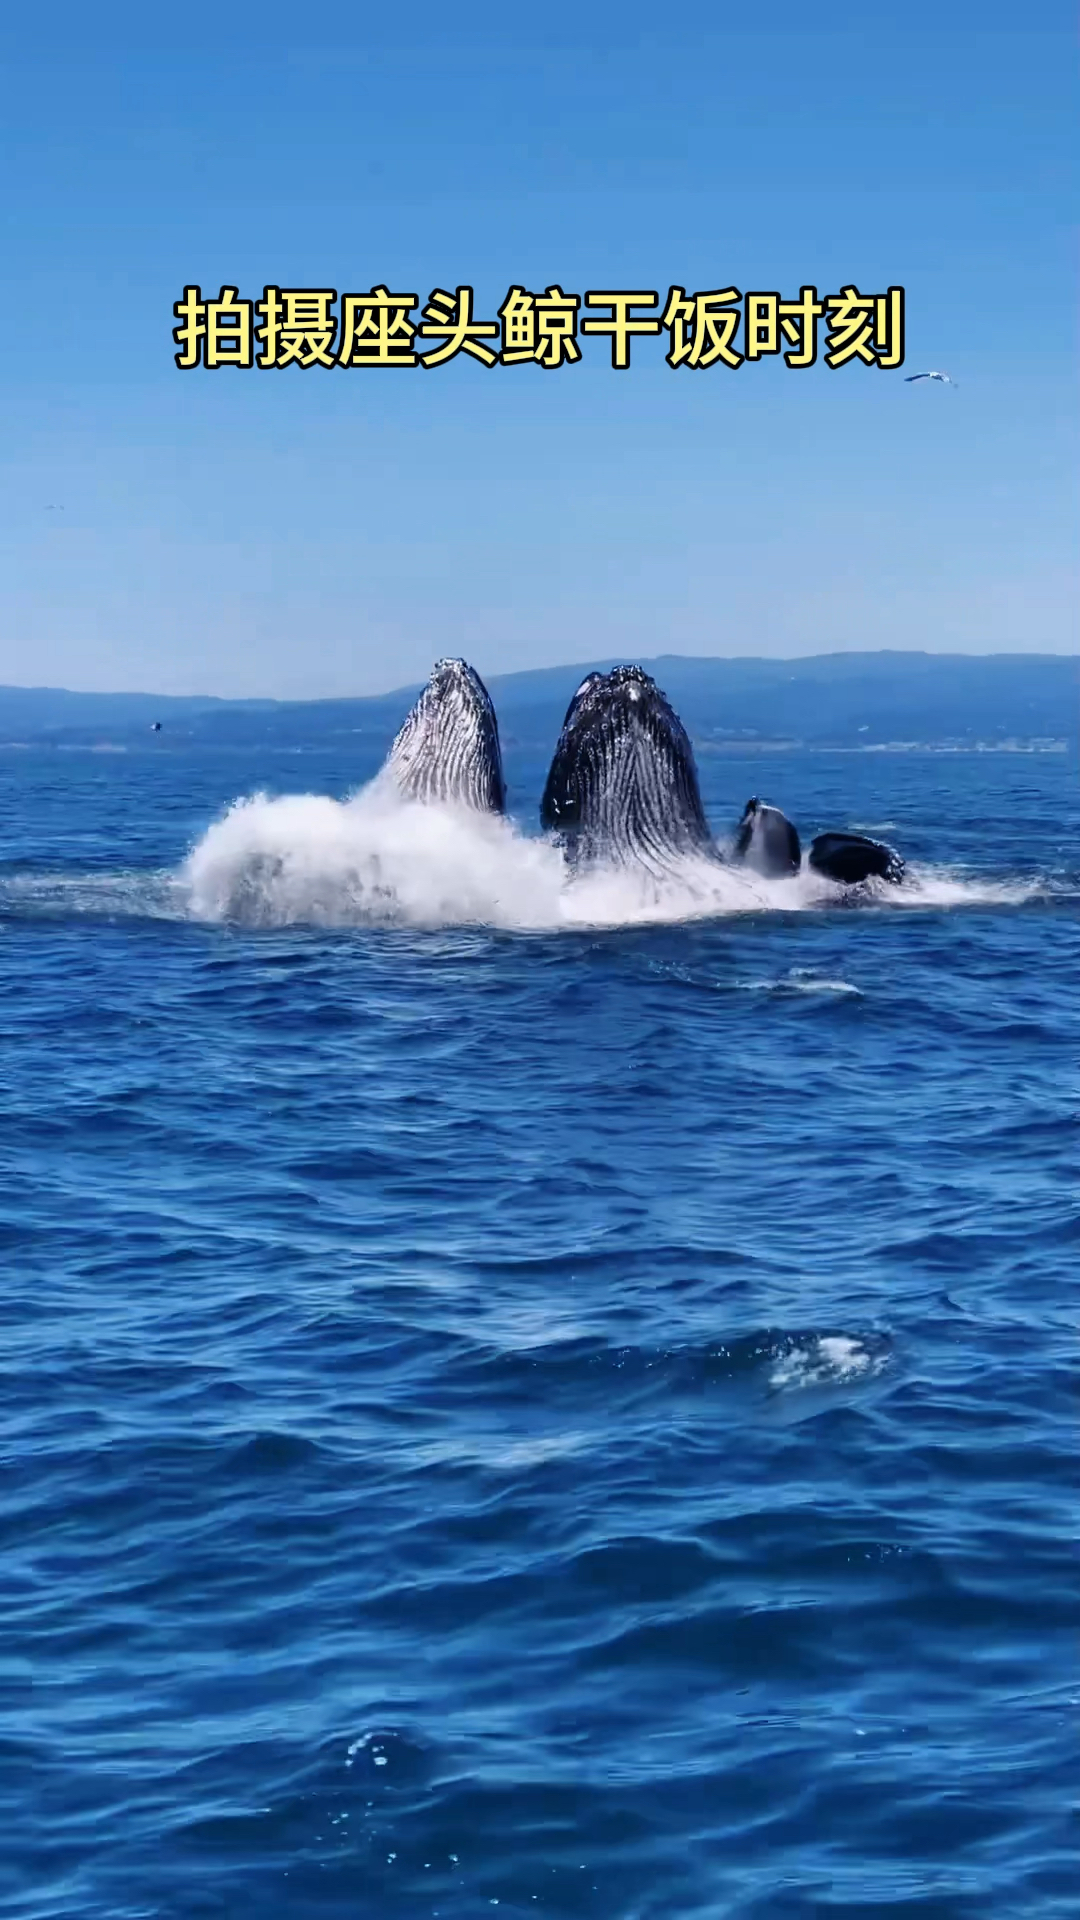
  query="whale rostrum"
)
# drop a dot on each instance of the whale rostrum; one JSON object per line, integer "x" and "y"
{"x": 448, "y": 750}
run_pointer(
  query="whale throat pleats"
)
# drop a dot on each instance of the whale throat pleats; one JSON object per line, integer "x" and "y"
{"x": 447, "y": 751}
{"x": 623, "y": 786}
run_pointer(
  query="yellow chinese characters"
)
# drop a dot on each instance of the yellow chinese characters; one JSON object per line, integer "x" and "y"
{"x": 452, "y": 317}
{"x": 539, "y": 327}
{"x": 213, "y": 333}
{"x": 297, "y": 326}
{"x": 769, "y": 320}
{"x": 376, "y": 330}
{"x": 870, "y": 326}
{"x": 619, "y": 323}
{"x": 702, "y": 328}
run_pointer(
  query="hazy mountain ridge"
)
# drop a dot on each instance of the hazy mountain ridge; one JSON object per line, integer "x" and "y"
{"x": 839, "y": 699}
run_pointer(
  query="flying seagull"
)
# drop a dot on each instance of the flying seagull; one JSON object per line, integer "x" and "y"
{"x": 947, "y": 377}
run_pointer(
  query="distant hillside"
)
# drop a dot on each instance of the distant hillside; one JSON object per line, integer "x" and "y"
{"x": 841, "y": 699}
{"x": 838, "y": 699}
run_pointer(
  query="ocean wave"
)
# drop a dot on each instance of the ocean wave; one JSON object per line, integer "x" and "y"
{"x": 800, "y": 980}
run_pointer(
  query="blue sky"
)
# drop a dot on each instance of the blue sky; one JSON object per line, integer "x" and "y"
{"x": 331, "y": 533}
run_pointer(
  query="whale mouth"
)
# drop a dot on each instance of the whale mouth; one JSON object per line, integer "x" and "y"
{"x": 448, "y": 750}
{"x": 623, "y": 787}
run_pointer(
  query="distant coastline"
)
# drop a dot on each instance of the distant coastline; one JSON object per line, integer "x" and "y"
{"x": 884, "y": 702}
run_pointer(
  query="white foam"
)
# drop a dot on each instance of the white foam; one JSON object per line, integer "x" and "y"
{"x": 829, "y": 1360}
{"x": 942, "y": 887}
{"x": 377, "y": 859}
{"x": 374, "y": 858}
{"x": 800, "y": 980}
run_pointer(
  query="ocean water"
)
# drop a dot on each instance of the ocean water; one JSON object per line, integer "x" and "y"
{"x": 527, "y": 1396}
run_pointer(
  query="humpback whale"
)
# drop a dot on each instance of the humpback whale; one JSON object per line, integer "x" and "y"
{"x": 854, "y": 857}
{"x": 448, "y": 747}
{"x": 766, "y": 841}
{"x": 622, "y": 788}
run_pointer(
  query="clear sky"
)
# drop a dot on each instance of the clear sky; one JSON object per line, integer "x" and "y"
{"x": 308, "y": 534}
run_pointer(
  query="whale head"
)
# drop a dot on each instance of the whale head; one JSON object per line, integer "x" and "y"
{"x": 766, "y": 841}
{"x": 853, "y": 858}
{"x": 448, "y": 748}
{"x": 623, "y": 787}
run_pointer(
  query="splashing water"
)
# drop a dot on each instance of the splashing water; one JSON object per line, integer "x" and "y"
{"x": 378, "y": 859}
{"x": 373, "y": 858}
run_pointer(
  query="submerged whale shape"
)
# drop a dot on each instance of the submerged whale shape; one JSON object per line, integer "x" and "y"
{"x": 448, "y": 749}
{"x": 622, "y": 788}
{"x": 766, "y": 841}
{"x": 854, "y": 857}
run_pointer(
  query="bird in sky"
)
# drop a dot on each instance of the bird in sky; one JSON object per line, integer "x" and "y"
{"x": 947, "y": 377}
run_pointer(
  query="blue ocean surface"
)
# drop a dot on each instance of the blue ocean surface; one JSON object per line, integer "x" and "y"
{"x": 524, "y": 1396}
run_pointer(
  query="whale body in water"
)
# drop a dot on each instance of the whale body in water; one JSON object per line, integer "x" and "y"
{"x": 447, "y": 750}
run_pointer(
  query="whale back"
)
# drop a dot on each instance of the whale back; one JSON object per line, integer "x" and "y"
{"x": 623, "y": 786}
{"x": 448, "y": 750}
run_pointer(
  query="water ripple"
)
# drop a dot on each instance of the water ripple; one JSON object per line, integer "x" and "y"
{"x": 517, "y": 1404}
